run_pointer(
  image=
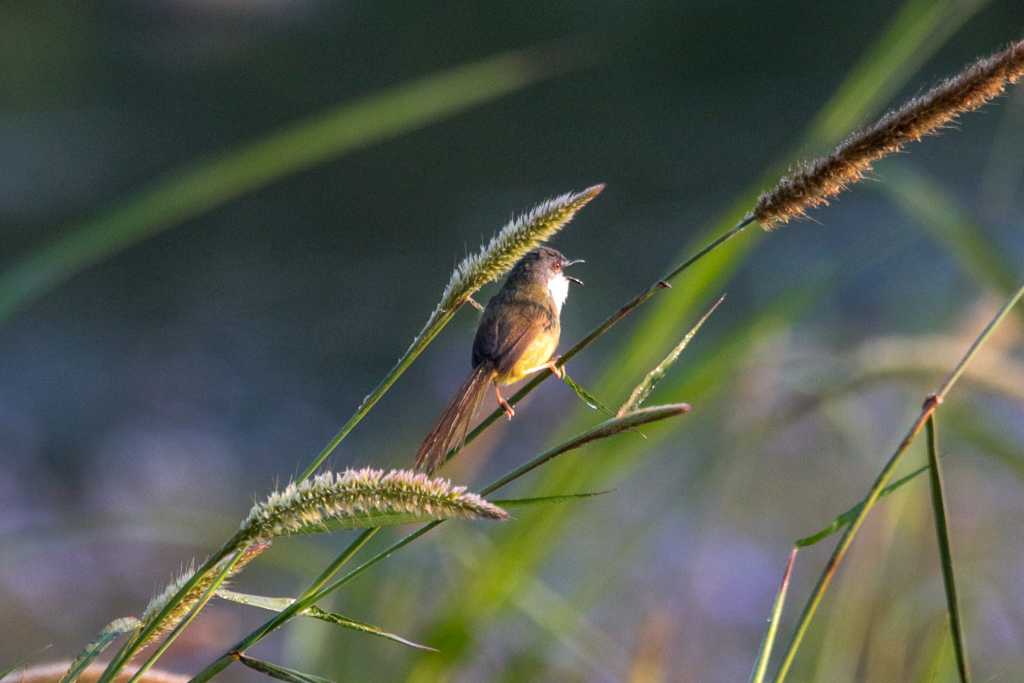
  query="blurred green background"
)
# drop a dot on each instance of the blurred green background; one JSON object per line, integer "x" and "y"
{"x": 152, "y": 393}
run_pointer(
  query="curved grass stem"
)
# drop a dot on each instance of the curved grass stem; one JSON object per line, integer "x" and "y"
{"x": 930, "y": 405}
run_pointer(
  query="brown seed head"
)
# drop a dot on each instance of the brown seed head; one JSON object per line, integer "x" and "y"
{"x": 812, "y": 183}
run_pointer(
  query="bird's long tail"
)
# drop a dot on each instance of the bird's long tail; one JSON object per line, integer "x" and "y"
{"x": 450, "y": 430}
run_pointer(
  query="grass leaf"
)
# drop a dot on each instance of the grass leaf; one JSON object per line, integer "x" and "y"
{"x": 547, "y": 500}
{"x": 280, "y": 604}
{"x": 946, "y": 553}
{"x": 280, "y": 673}
{"x": 588, "y": 398}
{"x": 842, "y": 520}
{"x": 646, "y": 386}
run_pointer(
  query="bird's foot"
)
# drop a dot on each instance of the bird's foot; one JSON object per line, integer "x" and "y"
{"x": 510, "y": 412}
{"x": 556, "y": 370}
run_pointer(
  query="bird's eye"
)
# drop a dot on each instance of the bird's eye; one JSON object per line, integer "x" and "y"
{"x": 557, "y": 265}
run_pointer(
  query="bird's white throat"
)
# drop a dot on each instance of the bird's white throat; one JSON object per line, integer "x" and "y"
{"x": 558, "y": 285}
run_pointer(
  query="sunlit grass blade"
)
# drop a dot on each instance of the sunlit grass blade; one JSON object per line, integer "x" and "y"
{"x": 946, "y": 553}
{"x": 546, "y": 500}
{"x": 280, "y": 673}
{"x": 278, "y": 604}
{"x": 207, "y": 183}
{"x": 591, "y": 401}
{"x": 840, "y": 522}
{"x": 765, "y": 653}
{"x": 109, "y": 634}
{"x": 843, "y": 546}
{"x": 651, "y": 379}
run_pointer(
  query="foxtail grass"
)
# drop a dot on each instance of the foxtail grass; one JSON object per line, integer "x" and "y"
{"x": 322, "y": 588}
{"x": 814, "y": 183}
{"x": 352, "y": 499}
{"x": 362, "y": 498}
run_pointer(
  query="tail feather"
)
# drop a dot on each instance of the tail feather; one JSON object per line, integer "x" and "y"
{"x": 451, "y": 428}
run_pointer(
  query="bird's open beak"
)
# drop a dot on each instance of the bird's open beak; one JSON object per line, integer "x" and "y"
{"x": 570, "y": 278}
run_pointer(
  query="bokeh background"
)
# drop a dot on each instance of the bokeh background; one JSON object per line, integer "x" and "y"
{"x": 147, "y": 400}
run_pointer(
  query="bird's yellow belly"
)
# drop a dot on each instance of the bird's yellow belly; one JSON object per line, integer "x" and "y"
{"x": 536, "y": 354}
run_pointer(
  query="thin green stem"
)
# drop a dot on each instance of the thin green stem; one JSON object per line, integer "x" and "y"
{"x": 930, "y": 405}
{"x": 430, "y": 331}
{"x": 196, "y": 609}
{"x": 946, "y": 553}
{"x": 765, "y": 655}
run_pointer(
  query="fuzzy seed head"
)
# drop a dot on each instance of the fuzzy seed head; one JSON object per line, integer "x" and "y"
{"x": 355, "y": 498}
{"x": 519, "y": 236}
{"x": 181, "y": 610}
{"x": 811, "y": 184}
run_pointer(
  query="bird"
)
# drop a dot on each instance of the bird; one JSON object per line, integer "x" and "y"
{"x": 517, "y": 335}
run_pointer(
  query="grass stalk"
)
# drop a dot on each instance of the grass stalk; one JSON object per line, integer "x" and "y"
{"x": 321, "y": 589}
{"x": 765, "y": 655}
{"x": 839, "y": 553}
{"x": 946, "y": 553}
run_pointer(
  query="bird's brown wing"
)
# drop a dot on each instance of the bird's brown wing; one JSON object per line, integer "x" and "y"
{"x": 506, "y": 331}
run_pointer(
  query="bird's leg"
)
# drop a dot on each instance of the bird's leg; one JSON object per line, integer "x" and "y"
{"x": 505, "y": 405}
{"x": 552, "y": 365}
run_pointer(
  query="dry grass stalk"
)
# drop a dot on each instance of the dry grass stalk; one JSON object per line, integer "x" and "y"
{"x": 811, "y": 184}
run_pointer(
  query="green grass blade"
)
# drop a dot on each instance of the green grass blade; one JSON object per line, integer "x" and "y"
{"x": 840, "y": 522}
{"x": 843, "y": 546}
{"x": 279, "y": 604}
{"x": 765, "y": 653}
{"x": 651, "y": 379}
{"x": 591, "y": 401}
{"x": 109, "y": 634}
{"x": 546, "y": 500}
{"x": 946, "y": 553}
{"x": 280, "y": 673}
{"x": 211, "y": 182}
